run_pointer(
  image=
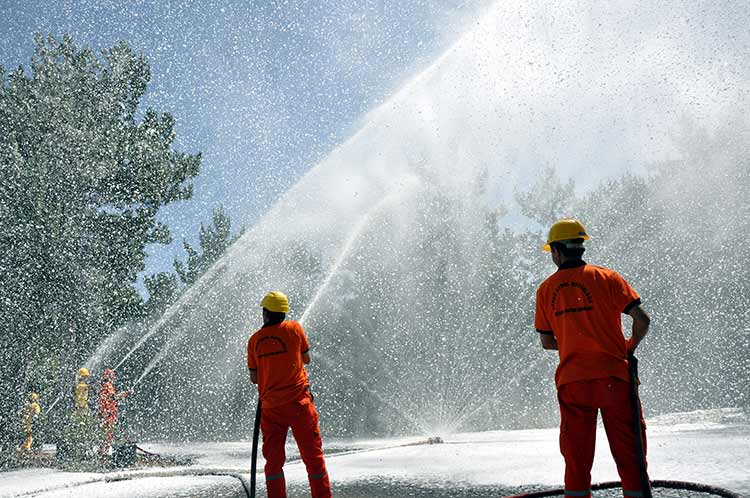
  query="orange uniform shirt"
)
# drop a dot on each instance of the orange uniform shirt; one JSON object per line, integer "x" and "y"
{"x": 580, "y": 305}
{"x": 108, "y": 402}
{"x": 275, "y": 352}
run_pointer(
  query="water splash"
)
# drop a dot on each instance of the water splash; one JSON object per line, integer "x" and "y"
{"x": 406, "y": 187}
{"x": 499, "y": 101}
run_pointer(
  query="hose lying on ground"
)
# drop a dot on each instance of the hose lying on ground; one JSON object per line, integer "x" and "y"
{"x": 688, "y": 486}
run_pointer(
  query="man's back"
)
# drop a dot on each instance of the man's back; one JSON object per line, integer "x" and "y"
{"x": 275, "y": 352}
{"x": 581, "y": 305}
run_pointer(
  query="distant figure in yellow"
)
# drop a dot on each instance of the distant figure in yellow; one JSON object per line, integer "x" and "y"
{"x": 29, "y": 412}
{"x": 81, "y": 392}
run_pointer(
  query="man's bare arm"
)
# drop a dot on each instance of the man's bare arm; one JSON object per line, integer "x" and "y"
{"x": 254, "y": 376}
{"x": 306, "y": 358}
{"x": 641, "y": 322}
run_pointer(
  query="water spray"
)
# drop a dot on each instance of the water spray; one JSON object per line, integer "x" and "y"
{"x": 53, "y": 405}
{"x": 354, "y": 235}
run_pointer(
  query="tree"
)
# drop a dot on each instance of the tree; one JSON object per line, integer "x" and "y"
{"x": 549, "y": 199}
{"x": 162, "y": 290}
{"x": 82, "y": 177}
{"x": 213, "y": 240}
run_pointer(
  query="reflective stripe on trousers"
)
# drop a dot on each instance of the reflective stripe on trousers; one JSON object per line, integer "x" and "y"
{"x": 302, "y": 418}
{"x": 636, "y": 494}
{"x": 580, "y": 403}
{"x": 584, "y": 494}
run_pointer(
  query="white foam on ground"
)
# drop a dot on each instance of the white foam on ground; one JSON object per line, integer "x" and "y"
{"x": 707, "y": 446}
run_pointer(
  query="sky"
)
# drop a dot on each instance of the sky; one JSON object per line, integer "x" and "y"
{"x": 263, "y": 89}
{"x": 267, "y": 90}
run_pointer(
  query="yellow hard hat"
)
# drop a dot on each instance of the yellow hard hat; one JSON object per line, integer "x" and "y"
{"x": 565, "y": 229}
{"x": 83, "y": 372}
{"x": 276, "y": 301}
{"x": 33, "y": 397}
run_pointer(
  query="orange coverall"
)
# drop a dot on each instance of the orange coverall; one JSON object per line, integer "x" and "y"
{"x": 580, "y": 305}
{"x": 275, "y": 353}
{"x": 107, "y": 414}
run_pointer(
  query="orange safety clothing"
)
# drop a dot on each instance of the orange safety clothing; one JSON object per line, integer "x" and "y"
{"x": 108, "y": 403}
{"x": 580, "y": 305}
{"x": 302, "y": 418}
{"x": 107, "y": 415}
{"x": 579, "y": 404}
{"x": 275, "y": 353}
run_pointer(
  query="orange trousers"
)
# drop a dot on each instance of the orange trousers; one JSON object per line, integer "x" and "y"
{"x": 302, "y": 418}
{"x": 108, "y": 426}
{"x": 580, "y": 403}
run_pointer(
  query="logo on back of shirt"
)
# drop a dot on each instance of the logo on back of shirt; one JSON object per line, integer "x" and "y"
{"x": 584, "y": 298}
{"x": 270, "y": 346}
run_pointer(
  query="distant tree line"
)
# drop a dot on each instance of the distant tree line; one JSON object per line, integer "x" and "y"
{"x": 439, "y": 333}
{"x": 83, "y": 173}
{"x": 213, "y": 240}
{"x": 426, "y": 325}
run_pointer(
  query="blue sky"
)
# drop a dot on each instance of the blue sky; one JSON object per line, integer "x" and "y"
{"x": 263, "y": 89}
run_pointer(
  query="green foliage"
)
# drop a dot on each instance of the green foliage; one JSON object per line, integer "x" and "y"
{"x": 549, "y": 199}
{"x": 165, "y": 287}
{"x": 214, "y": 240}
{"x": 679, "y": 236}
{"x": 82, "y": 177}
{"x": 81, "y": 436}
{"x": 162, "y": 289}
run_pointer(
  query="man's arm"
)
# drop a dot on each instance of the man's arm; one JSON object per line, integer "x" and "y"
{"x": 548, "y": 340}
{"x": 641, "y": 322}
{"x": 306, "y": 357}
{"x": 254, "y": 376}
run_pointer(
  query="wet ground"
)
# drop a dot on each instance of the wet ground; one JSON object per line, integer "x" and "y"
{"x": 702, "y": 447}
{"x": 396, "y": 489}
{"x": 154, "y": 487}
{"x": 227, "y": 487}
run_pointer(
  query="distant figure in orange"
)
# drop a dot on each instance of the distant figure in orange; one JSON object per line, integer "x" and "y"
{"x": 108, "y": 408}
{"x": 276, "y": 356}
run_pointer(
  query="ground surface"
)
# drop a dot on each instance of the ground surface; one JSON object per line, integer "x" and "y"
{"x": 711, "y": 447}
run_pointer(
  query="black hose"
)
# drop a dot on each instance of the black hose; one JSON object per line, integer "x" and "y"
{"x": 645, "y": 483}
{"x": 254, "y": 463}
{"x": 692, "y": 486}
{"x": 635, "y": 402}
{"x": 242, "y": 480}
{"x": 688, "y": 486}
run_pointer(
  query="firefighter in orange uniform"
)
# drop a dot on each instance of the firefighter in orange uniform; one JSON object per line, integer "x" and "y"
{"x": 276, "y": 356}
{"x": 578, "y": 312}
{"x": 108, "y": 409}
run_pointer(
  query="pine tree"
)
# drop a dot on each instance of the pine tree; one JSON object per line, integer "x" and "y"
{"x": 213, "y": 240}
{"x": 83, "y": 174}
{"x": 162, "y": 290}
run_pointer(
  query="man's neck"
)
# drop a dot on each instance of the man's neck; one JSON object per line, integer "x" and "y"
{"x": 566, "y": 263}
